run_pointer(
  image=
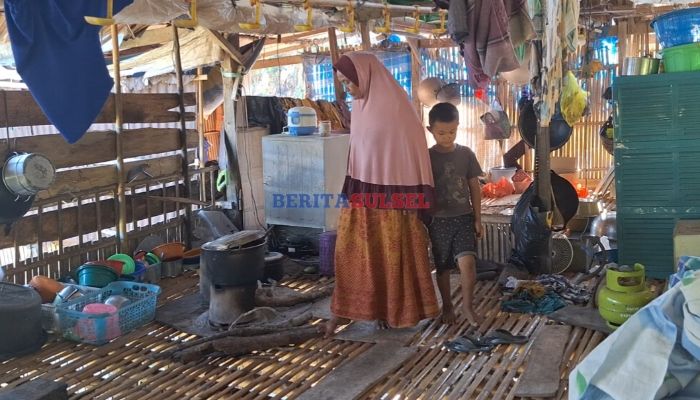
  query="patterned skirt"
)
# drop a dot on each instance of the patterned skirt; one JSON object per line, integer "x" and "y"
{"x": 382, "y": 268}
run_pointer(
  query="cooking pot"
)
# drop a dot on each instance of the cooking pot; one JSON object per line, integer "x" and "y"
{"x": 241, "y": 267}
{"x": 13, "y": 207}
{"x": 25, "y": 174}
{"x": 20, "y": 321}
{"x": 605, "y": 225}
{"x": 640, "y": 66}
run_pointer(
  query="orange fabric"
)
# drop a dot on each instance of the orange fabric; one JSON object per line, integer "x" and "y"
{"x": 382, "y": 268}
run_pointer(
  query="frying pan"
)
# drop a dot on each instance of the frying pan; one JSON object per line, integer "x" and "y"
{"x": 559, "y": 130}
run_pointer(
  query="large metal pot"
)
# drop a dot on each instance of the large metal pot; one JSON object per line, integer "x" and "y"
{"x": 21, "y": 327}
{"x": 605, "y": 225}
{"x": 640, "y": 66}
{"x": 235, "y": 267}
{"x": 11, "y": 207}
{"x": 27, "y": 174}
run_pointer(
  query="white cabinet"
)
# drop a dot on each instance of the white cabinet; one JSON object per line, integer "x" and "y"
{"x": 297, "y": 172}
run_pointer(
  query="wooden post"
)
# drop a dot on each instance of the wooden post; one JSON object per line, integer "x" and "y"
{"x": 200, "y": 116}
{"x": 122, "y": 243}
{"x": 183, "y": 138}
{"x": 543, "y": 184}
{"x": 333, "y": 43}
{"x": 200, "y": 133}
{"x": 416, "y": 67}
{"x": 231, "y": 74}
{"x": 364, "y": 33}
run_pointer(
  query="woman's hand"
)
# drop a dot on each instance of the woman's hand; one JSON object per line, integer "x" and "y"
{"x": 478, "y": 229}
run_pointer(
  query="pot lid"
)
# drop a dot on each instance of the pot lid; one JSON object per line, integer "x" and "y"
{"x": 234, "y": 240}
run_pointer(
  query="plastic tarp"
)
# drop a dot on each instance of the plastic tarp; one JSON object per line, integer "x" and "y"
{"x": 224, "y": 15}
{"x": 196, "y": 49}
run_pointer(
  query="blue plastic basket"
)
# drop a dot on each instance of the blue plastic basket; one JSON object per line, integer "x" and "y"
{"x": 99, "y": 329}
{"x": 678, "y": 27}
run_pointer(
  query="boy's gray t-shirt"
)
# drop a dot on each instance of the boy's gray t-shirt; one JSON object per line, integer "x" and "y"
{"x": 451, "y": 173}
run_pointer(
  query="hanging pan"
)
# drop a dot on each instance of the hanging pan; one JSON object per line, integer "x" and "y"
{"x": 559, "y": 130}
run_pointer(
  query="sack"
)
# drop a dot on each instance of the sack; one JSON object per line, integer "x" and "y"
{"x": 530, "y": 234}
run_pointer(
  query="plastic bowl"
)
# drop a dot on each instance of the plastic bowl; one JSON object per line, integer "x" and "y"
{"x": 46, "y": 287}
{"x": 129, "y": 263}
{"x": 96, "y": 275}
{"x": 677, "y": 27}
{"x": 152, "y": 259}
{"x": 170, "y": 251}
{"x": 117, "y": 266}
{"x": 684, "y": 58}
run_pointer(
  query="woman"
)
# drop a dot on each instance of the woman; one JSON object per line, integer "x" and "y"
{"x": 381, "y": 254}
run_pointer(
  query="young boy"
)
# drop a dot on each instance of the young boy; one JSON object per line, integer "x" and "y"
{"x": 456, "y": 223}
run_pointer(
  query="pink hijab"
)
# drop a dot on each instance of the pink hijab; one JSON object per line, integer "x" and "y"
{"x": 387, "y": 140}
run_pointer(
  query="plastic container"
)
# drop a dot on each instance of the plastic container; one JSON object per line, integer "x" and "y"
{"x": 97, "y": 276}
{"x": 102, "y": 329}
{"x": 301, "y": 121}
{"x": 327, "y": 253}
{"x": 169, "y": 251}
{"x": 502, "y": 172}
{"x": 677, "y": 27}
{"x": 683, "y": 58}
{"x": 83, "y": 327}
{"x": 129, "y": 264}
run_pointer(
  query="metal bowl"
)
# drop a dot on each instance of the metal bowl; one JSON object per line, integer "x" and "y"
{"x": 605, "y": 225}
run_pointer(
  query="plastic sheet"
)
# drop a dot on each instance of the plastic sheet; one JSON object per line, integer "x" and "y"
{"x": 224, "y": 15}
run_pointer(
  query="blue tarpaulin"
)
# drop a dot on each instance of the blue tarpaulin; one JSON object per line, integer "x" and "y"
{"x": 60, "y": 59}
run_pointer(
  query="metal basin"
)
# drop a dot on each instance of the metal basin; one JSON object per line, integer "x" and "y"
{"x": 640, "y": 66}
{"x": 605, "y": 225}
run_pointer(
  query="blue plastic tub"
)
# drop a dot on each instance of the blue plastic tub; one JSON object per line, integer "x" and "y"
{"x": 677, "y": 27}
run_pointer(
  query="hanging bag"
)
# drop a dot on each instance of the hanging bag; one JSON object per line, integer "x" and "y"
{"x": 496, "y": 123}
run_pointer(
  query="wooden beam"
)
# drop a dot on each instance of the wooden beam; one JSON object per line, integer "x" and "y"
{"x": 29, "y": 229}
{"x": 226, "y": 46}
{"x": 333, "y": 42}
{"x": 122, "y": 239}
{"x": 416, "y": 68}
{"x": 364, "y": 33}
{"x": 137, "y": 108}
{"x": 184, "y": 165}
{"x": 295, "y": 37}
{"x": 98, "y": 147}
{"x": 278, "y": 62}
{"x": 436, "y": 43}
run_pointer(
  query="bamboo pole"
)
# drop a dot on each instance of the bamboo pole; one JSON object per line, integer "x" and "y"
{"x": 333, "y": 43}
{"x": 394, "y": 9}
{"x": 122, "y": 243}
{"x": 200, "y": 131}
{"x": 183, "y": 137}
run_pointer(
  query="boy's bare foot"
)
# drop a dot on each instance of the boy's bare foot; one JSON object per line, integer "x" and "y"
{"x": 448, "y": 316}
{"x": 381, "y": 324}
{"x": 471, "y": 316}
{"x": 331, "y": 325}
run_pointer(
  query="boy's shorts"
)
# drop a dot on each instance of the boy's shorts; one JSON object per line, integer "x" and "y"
{"x": 451, "y": 239}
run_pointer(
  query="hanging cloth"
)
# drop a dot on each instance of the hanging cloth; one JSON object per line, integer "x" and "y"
{"x": 60, "y": 59}
{"x": 495, "y": 26}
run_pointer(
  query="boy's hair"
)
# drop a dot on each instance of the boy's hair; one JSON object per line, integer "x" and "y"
{"x": 443, "y": 112}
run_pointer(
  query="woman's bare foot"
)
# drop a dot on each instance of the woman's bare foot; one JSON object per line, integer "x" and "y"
{"x": 471, "y": 316}
{"x": 448, "y": 316}
{"x": 382, "y": 325}
{"x": 331, "y": 325}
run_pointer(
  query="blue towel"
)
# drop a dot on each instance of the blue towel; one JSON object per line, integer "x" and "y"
{"x": 59, "y": 57}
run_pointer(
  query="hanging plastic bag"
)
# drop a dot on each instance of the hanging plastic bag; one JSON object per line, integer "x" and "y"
{"x": 573, "y": 99}
{"x": 496, "y": 122}
{"x": 530, "y": 233}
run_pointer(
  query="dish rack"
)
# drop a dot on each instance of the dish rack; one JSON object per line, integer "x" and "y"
{"x": 98, "y": 329}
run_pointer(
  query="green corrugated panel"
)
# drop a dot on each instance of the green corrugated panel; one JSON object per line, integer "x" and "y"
{"x": 657, "y": 164}
{"x": 657, "y": 107}
{"x": 647, "y": 239}
{"x": 658, "y": 174}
